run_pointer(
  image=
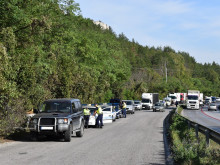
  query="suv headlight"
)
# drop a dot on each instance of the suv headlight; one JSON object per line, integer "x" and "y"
{"x": 62, "y": 121}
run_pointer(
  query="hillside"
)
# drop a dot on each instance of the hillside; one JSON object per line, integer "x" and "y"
{"x": 49, "y": 50}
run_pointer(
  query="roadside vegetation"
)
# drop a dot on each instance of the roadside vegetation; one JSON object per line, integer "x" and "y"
{"x": 187, "y": 149}
{"x": 49, "y": 50}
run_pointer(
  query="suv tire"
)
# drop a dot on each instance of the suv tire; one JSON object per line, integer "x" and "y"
{"x": 80, "y": 133}
{"x": 67, "y": 134}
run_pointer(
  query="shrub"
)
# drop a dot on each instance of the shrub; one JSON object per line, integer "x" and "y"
{"x": 185, "y": 146}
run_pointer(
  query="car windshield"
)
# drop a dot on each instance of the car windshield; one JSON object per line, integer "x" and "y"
{"x": 128, "y": 103}
{"x": 157, "y": 104}
{"x": 59, "y": 107}
{"x": 107, "y": 109}
{"x": 212, "y": 104}
{"x": 191, "y": 97}
{"x": 137, "y": 102}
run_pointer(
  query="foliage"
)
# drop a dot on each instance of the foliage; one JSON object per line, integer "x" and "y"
{"x": 48, "y": 50}
{"x": 185, "y": 146}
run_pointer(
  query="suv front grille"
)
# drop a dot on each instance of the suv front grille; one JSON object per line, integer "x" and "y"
{"x": 47, "y": 121}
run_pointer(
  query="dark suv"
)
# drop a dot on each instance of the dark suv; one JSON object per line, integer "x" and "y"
{"x": 61, "y": 117}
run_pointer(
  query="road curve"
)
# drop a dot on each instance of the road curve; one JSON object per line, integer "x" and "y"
{"x": 138, "y": 140}
{"x": 204, "y": 117}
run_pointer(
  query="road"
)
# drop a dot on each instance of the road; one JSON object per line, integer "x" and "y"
{"x": 210, "y": 119}
{"x": 135, "y": 140}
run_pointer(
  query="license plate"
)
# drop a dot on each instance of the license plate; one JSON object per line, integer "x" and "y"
{"x": 46, "y": 128}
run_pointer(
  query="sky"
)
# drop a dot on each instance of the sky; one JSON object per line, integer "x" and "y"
{"x": 191, "y": 26}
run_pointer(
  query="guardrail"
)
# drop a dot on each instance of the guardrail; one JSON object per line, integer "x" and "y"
{"x": 209, "y": 133}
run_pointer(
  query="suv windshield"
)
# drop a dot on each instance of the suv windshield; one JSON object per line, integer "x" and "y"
{"x": 59, "y": 107}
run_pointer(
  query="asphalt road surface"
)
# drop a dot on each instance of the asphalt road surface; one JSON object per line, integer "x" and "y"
{"x": 135, "y": 140}
{"x": 210, "y": 119}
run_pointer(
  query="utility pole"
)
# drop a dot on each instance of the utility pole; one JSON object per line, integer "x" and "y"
{"x": 166, "y": 70}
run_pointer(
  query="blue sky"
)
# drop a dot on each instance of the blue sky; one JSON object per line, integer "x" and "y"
{"x": 192, "y": 26}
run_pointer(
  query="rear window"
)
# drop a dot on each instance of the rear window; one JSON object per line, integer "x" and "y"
{"x": 56, "y": 106}
{"x": 107, "y": 109}
{"x": 92, "y": 110}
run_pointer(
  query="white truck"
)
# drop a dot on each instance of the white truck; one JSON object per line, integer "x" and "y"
{"x": 149, "y": 99}
{"x": 173, "y": 97}
{"x": 201, "y": 99}
{"x": 193, "y": 101}
{"x": 181, "y": 97}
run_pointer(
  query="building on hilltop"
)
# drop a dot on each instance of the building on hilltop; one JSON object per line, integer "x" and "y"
{"x": 102, "y": 25}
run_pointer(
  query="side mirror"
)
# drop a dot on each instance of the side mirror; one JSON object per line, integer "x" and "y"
{"x": 36, "y": 111}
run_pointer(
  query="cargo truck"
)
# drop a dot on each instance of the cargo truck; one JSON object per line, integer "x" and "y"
{"x": 149, "y": 99}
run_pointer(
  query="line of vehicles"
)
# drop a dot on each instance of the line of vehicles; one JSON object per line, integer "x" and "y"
{"x": 64, "y": 117}
{"x": 193, "y": 99}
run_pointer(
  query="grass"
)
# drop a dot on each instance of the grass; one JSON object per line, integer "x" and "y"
{"x": 185, "y": 147}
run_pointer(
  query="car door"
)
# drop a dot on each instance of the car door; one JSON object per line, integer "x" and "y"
{"x": 78, "y": 114}
{"x": 74, "y": 115}
{"x": 114, "y": 113}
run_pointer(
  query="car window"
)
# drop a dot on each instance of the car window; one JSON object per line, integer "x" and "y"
{"x": 79, "y": 106}
{"x": 92, "y": 110}
{"x": 74, "y": 107}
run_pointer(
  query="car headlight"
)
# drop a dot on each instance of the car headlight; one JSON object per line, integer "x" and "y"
{"x": 34, "y": 121}
{"x": 62, "y": 121}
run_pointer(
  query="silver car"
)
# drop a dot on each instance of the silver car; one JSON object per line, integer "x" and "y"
{"x": 158, "y": 107}
{"x": 137, "y": 105}
{"x": 129, "y": 106}
{"x": 212, "y": 106}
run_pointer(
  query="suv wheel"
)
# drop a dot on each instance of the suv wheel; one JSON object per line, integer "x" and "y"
{"x": 80, "y": 133}
{"x": 67, "y": 134}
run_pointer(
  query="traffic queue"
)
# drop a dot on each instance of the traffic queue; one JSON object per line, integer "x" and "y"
{"x": 97, "y": 114}
{"x": 67, "y": 117}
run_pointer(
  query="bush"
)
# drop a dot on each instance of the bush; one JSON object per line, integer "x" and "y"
{"x": 185, "y": 146}
{"x": 12, "y": 117}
